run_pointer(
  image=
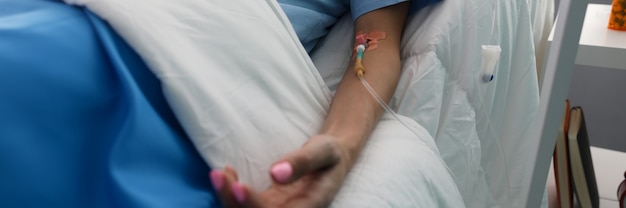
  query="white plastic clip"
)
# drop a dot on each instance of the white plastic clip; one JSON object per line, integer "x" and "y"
{"x": 491, "y": 54}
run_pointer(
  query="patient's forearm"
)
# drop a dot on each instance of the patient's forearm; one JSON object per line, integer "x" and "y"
{"x": 354, "y": 112}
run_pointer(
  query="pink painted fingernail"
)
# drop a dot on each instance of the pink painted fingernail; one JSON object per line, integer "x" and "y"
{"x": 217, "y": 178}
{"x": 282, "y": 171}
{"x": 239, "y": 192}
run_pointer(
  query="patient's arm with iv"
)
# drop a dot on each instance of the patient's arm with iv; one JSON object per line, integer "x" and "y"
{"x": 312, "y": 175}
{"x": 354, "y": 112}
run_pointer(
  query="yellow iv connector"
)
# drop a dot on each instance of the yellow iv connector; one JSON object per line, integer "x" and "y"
{"x": 359, "y": 70}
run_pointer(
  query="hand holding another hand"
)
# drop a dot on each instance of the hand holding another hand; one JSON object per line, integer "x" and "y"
{"x": 307, "y": 177}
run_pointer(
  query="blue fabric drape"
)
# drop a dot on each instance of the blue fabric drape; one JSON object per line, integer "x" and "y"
{"x": 83, "y": 122}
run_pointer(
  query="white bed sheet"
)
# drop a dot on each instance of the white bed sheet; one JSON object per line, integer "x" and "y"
{"x": 480, "y": 128}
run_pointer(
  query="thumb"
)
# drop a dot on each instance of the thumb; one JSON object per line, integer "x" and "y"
{"x": 318, "y": 153}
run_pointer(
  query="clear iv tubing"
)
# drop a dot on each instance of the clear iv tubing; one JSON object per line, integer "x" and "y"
{"x": 382, "y": 103}
{"x": 395, "y": 116}
{"x": 489, "y": 126}
{"x": 359, "y": 71}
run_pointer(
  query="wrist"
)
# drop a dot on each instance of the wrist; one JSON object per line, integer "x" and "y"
{"x": 348, "y": 146}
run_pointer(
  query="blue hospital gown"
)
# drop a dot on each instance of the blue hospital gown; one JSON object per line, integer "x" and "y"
{"x": 312, "y": 19}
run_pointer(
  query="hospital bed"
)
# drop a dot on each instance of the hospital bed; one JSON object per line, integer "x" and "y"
{"x": 480, "y": 127}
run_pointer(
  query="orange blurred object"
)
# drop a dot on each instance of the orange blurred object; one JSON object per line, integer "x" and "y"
{"x": 617, "y": 20}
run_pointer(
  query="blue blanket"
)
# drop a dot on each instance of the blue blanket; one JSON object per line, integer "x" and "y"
{"x": 83, "y": 122}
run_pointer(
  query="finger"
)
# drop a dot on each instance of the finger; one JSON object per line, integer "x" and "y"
{"x": 245, "y": 196}
{"x": 222, "y": 183}
{"x": 217, "y": 179}
{"x": 318, "y": 153}
{"x": 231, "y": 171}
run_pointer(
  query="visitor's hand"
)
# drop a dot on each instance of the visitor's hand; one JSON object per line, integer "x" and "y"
{"x": 307, "y": 177}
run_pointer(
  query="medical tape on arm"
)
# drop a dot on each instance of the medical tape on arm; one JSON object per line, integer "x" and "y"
{"x": 365, "y": 42}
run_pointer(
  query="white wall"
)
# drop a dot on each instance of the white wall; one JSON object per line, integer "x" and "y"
{"x": 602, "y": 94}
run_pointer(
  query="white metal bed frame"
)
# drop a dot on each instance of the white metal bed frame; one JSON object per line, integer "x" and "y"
{"x": 558, "y": 70}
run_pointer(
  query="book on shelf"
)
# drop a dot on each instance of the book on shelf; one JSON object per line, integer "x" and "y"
{"x": 573, "y": 168}
{"x": 561, "y": 163}
{"x": 581, "y": 167}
